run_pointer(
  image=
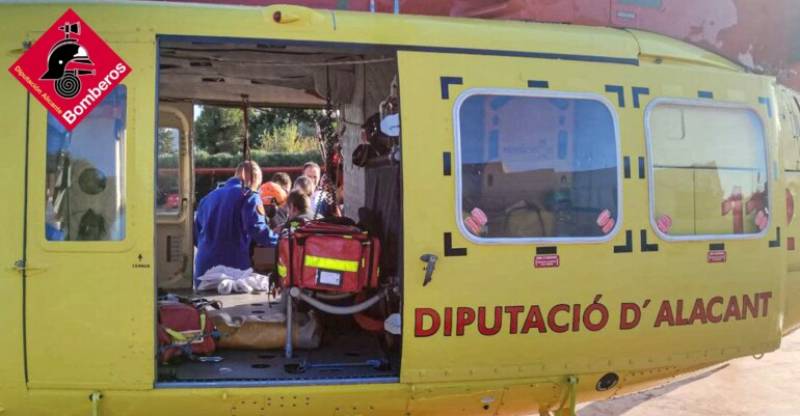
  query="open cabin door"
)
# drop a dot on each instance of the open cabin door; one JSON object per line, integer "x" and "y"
{"x": 513, "y": 177}
{"x": 89, "y": 274}
{"x": 498, "y": 185}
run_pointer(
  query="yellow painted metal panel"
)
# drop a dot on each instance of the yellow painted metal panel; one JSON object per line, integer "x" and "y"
{"x": 12, "y": 169}
{"x": 98, "y": 332}
{"x": 654, "y": 45}
{"x": 461, "y": 400}
{"x": 368, "y": 400}
{"x": 90, "y": 309}
{"x": 792, "y": 290}
{"x": 503, "y": 275}
{"x": 790, "y": 147}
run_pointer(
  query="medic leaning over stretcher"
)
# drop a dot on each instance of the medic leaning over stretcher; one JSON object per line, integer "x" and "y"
{"x": 228, "y": 220}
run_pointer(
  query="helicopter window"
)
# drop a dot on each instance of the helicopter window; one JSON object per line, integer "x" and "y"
{"x": 168, "y": 183}
{"x": 708, "y": 170}
{"x": 85, "y": 189}
{"x": 536, "y": 166}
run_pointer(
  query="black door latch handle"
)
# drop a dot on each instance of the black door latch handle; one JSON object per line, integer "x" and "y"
{"x": 430, "y": 266}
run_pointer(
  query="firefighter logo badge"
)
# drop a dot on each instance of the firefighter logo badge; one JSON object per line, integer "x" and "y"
{"x": 67, "y": 62}
{"x": 70, "y": 69}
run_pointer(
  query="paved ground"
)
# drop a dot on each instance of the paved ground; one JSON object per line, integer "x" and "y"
{"x": 743, "y": 387}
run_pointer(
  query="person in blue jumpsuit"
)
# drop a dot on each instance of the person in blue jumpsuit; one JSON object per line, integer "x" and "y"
{"x": 228, "y": 220}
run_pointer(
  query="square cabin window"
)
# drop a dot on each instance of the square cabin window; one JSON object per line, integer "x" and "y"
{"x": 85, "y": 189}
{"x": 536, "y": 166}
{"x": 708, "y": 173}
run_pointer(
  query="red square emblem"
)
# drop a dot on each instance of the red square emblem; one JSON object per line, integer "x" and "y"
{"x": 69, "y": 69}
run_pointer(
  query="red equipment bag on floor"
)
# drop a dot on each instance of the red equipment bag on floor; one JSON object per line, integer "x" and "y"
{"x": 183, "y": 330}
{"x": 321, "y": 255}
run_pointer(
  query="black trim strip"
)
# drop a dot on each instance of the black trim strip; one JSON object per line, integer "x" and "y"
{"x": 620, "y": 91}
{"x": 546, "y": 250}
{"x": 445, "y": 84}
{"x": 705, "y": 94}
{"x": 716, "y": 246}
{"x": 25, "y": 239}
{"x": 520, "y": 54}
{"x": 626, "y": 166}
{"x": 274, "y": 382}
{"x": 449, "y": 251}
{"x": 408, "y": 48}
{"x": 538, "y": 84}
{"x": 644, "y": 246}
{"x": 628, "y": 247}
{"x": 641, "y": 167}
{"x": 169, "y": 250}
{"x": 777, "y": 241}
{"x": 636, "y": 91}
{"x": 446, "y": 164}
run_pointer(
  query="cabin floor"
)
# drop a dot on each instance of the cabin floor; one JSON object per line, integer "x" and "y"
{"x": 346, "y": 354}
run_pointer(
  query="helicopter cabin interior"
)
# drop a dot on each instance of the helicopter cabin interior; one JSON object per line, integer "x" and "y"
{"x": 347, "y": 87}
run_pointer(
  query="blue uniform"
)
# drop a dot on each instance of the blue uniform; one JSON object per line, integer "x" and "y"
{"x": 227, "y": 221}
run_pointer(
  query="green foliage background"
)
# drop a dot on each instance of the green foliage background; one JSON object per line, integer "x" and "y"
{"x": 278, "y": 136}
{"x": 203, "y": 159}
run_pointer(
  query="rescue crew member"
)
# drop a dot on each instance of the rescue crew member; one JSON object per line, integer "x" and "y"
{"x": 312, "y": 171}
{"x": 302, "y": 185}
{"x": 305, "y": 185}
{"x": 283, "y": 179}
{"x": 319, "y": 198}
{"x": 299, "y": 207}
{"x": 276, "y": 190}
{"x": 228, "y": 219}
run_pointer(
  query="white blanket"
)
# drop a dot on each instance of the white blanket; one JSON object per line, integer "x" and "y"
{"x": 227, "y": 280}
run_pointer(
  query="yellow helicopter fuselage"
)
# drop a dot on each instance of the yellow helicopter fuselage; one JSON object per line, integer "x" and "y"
{"x": 506, "y": 326}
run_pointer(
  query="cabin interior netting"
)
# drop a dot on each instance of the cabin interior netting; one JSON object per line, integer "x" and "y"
{"x": 354, "y": 83}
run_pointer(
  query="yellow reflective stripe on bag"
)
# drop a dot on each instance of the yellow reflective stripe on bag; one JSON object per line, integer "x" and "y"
{"x": 177, "y": 336}
{"x": 281, "y": 270}
{"x": 331, "y": 264}
{"x": 193, "y": 336}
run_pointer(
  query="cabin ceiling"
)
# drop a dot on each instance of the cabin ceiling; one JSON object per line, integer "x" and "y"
{"x": 268, "y": 75}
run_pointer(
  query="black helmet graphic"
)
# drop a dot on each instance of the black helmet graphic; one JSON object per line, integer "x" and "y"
{"x": 63, "y": 53}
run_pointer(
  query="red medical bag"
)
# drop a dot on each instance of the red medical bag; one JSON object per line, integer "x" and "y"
{"x": 183, "y": 330}
{"x": 330, "y": 257}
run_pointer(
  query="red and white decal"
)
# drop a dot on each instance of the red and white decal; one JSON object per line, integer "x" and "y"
{"x": 70, "y": 69}
{"x": 717, "y": 256}
{"x": 546, "y": 261}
